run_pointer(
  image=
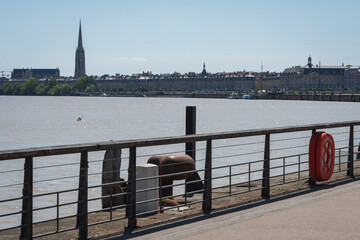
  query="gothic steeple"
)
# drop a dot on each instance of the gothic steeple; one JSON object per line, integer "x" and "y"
{"x": 80, "y": 37}
{"x": 80, "y": 57}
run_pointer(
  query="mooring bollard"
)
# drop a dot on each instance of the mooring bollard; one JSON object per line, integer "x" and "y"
{"x": 111, "y": 174}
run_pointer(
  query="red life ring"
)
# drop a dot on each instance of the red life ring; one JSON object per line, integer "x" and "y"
{"x": 321, "y": 156}
{"x": 325, "y": 157}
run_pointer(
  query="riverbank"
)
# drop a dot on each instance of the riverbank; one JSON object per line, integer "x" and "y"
{"x": 339, "y": 97}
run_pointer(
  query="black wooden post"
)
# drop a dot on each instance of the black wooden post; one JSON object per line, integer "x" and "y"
{"x": 131, "y": 190}
{"x": 265, "y": 192}
{"x": 190, "y": 148}
{"x": 27, "y": 201}
{"x": 207, "y": 194}
{"x": 350, "y": 165}
{"x": 82, "y": 213}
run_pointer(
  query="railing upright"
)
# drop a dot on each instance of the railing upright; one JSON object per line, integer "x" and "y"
{"x": 265, "y": 192}
{"x": 207, "y": 194}
{"x": 312, "y": 182}
{"x": 350, "y": 167}
{"x": 27, "y": 201}
{"x": 82, "y": 216}
{"x": 131, "y": 190}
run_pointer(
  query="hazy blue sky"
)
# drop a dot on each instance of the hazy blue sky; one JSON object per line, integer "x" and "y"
{"x": 165, "y": 36}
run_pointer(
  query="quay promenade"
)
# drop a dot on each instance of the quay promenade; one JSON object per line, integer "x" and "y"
{"x": 327, "y": 212}
{"x": 271, "y": 174}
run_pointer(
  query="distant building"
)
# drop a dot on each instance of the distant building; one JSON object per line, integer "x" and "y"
{"x": 80, "y": 57}
{"x": 314, "y": 77}
{"x": 23, "y": 74}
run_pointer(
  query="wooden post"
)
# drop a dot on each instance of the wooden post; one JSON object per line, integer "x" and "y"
{"x": 190, "y": 148}
{"x": 207, "y": 194}
{"x": 27, "y": 201}
{"x": 82, "y": 213}
{"x": 131, "y": 190}
{"x": 265, "y": 192}
{"x": 350, "y": 165}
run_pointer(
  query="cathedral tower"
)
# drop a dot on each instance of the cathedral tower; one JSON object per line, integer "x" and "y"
{"x": 80, "y": 57}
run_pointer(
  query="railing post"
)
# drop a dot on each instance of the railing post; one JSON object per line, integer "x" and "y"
{"x": 312, "y": 182}
{"x": 207, "y": 194}
{"x": 27, "y": 201}
{"x": 82, "y": 213}
{"x": 131, "y": 190}
{"x": 265, "y": 192}
{"x": 350, "y": 165}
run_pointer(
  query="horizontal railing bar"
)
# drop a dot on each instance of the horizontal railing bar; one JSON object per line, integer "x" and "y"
{"x": 293, "y": 181}
{"x": 55, "y": 179}
{"x": 12, "y": 185}
{"x": 291, "y": 147}
{"x": 290, "y": 173}
{"x": 289, "y": 165}
{"x": 11, "y": 199}
{"x": 107, "y": 184}
{"x": 10, "y": 171}
{"x": 109, "y": 209}
{"x": 237, "y": 155}
{"x": 10, "y": 228}
{"x": 238, "y": 164}
{"x": 226, "y": 176}
{"x": 57, "y": 165}
{"x": 91, "y": 147}
{"x": 236, "y": 193}
{"x": 106, "y": 221}
{"x": 10, "y": 214}
{"x": 52, "y": 193}
{"x": 289, "y": 156}
{"x": 55, "y": 232}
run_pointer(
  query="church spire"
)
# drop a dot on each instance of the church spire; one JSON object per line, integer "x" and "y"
{"x": 80, "y": 37}
{"x": 204, "y": 70}
{"x": 80, "y": 57}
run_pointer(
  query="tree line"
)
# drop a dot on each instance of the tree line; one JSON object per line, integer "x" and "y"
{"x": 49, "y": 87}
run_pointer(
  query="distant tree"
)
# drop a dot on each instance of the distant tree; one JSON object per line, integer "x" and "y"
{"x": 90, "y": 88}
{"x": 51, "y": 82}
{"x": 83, "y": 82}
{"x": 55, "y": 91}
{"x": 41, "y": 89}
{"x": 2, "y": 90}
{"x": 65, "y": 90}
{"x": 12, "y": 89}
{"x": 28, "y": 87}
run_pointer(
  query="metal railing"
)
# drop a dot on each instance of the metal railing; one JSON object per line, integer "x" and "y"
{"x": 258, "y": 172}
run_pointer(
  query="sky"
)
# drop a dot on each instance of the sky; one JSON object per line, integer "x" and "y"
{"x": 164, "y": 36}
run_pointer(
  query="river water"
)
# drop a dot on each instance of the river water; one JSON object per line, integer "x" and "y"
{"x": 47, "y": 121}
